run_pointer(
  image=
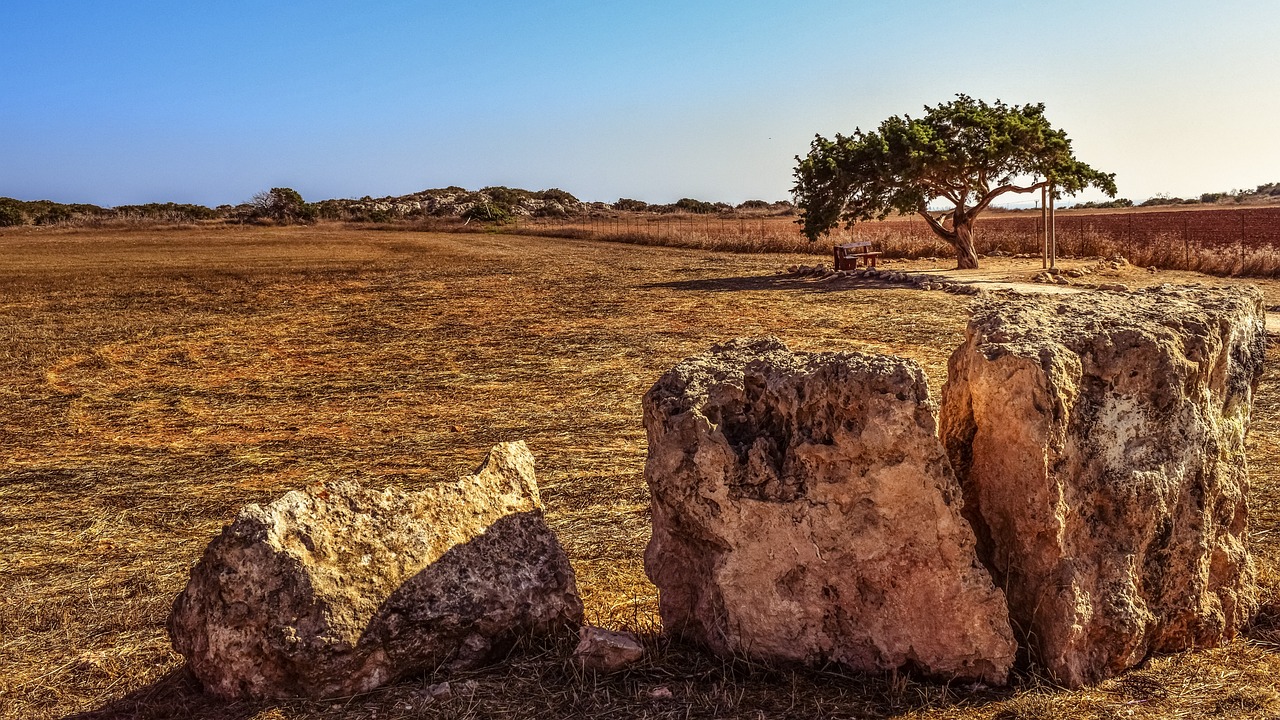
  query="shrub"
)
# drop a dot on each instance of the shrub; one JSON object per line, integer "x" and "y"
{"x": 11, "y": 215}
{"x": 695, "y": 206}
{"x": 505, "y": 197}
{"x": 556, "y": 195}
{"x": 631, "y": 205}
{"x": 284, "y": 205}
{"x": 487, "y": 212}
{"x": 53, "y": 216}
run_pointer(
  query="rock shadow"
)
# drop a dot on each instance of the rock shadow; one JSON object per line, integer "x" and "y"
{"x": 175, "y": 695}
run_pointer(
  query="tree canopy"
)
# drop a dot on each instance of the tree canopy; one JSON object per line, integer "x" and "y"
{"x": 966, "y": 152}
{"x": 284, "y": 205}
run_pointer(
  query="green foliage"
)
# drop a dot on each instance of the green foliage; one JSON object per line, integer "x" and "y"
{"x": 695, "y": 206}
{"x": 283, "y": 205}
{"x": 556, "y": 195}
{"x": 330, "y": 209}
{"x": 631, "y": 205}
{"x": 1117, "y": 203}
{"x": 488, "y": 212}
{"x": 966, "y": 152}
{"x": 505, "y": 196}
{"x": 11, "y": 215}
{"x": 753, "y": 205}
{"x": 1160, "y": 199}
{"x": 164, "y": 212}
{"x": 54, "y": 215}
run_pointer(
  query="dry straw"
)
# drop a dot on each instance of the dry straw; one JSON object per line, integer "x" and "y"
{"x": 153, "y": 382}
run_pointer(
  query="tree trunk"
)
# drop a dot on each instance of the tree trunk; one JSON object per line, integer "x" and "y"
{"x": 966, "y": 256}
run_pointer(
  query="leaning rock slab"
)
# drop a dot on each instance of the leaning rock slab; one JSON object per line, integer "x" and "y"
{"x": 341, "y": 590}
{"x": 804, "y": 511}
{"x": 1100, "y": 443}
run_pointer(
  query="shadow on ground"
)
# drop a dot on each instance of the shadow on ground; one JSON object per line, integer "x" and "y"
{"x": 175, "y": 695}
{"x": 774, "y": 282}
{"x": 676, "y": 681}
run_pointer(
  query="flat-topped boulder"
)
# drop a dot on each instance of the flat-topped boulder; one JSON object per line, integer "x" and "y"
{"x": 804, "y": 512}
{"x": 341, "y": 589}
{"x": 1100, "y": 442}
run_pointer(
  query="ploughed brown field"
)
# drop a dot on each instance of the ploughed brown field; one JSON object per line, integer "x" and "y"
{"x": 154, "y": 381}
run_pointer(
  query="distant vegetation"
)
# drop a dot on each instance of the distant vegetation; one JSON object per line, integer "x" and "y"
{"x": 1265, "y": 193}
{"x": 489, "y": 206}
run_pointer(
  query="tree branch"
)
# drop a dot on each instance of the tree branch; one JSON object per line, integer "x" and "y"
{"x": 943, "y": 188}
{"x": 996, "y": 192}
{"x": 948, "y": 235}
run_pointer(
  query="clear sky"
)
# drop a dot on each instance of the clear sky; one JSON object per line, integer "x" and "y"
{"x": 209, "y": 102}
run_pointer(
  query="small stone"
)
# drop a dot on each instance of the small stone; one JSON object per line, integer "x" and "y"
{"x": 606, "y": 650}
{"x": 661, "y": 693}
{"x": 439, "y": 691}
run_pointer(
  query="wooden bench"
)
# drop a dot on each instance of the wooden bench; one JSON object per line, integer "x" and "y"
{"x": 846, "y": 255}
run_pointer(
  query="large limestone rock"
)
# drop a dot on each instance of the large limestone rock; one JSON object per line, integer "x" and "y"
{"x": 1100, "y": 443}
{"x": 804, "y": 511}
{"x": 341, "y": 590}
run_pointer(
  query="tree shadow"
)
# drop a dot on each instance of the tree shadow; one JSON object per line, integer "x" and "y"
{"x": 792, "y": 283}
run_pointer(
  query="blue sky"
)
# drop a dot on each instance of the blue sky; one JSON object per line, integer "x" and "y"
{"x": 125, "y": 102}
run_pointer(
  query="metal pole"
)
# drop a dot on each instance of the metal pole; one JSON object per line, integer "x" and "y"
{"x": 1044, "y": 229}
{"x": 1053, "y": 232}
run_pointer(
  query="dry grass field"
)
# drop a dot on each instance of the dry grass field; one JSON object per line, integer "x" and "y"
{"x": 152, "y": 382}
{"x": 1240, "y": 240}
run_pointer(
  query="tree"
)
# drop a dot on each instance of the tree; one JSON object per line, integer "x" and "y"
{"x": 965, "y": 152}
{"x": 284, "y": 205}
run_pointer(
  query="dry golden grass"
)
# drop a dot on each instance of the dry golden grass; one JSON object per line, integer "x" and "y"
{"x": 155, "y": 381}
{"x": 1242, "y": 241}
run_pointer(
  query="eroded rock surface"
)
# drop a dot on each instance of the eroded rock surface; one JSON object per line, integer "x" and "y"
{"x": 1100, "y": 443}
{"x": 340, "y": 590}
{"x": 804, "y": 511}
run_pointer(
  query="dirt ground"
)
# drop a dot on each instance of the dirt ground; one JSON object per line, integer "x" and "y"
{"x": 153, "y": 382}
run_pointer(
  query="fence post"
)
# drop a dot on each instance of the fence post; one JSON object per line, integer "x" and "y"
{"x": 1128, "y": 244}
{"x": 1242, "y": 241}
{"x": 1186, "y": 241}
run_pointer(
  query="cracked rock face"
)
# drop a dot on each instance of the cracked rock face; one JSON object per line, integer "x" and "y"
{"x": 341, "y": 590}
{"x": 1099, "y": 440}
{"x": 804, "y": 511}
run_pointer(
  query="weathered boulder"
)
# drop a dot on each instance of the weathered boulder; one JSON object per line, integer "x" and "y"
{"x": 804, "y": 511}
{"x": 1099, "y": 440}
{"x": 340, "y": 590}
